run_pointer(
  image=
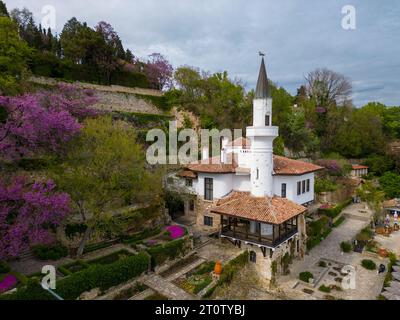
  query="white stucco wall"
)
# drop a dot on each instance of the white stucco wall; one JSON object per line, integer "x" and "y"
{"x": 291, "y": 187}
{"x": 223, "y": 184}
{"x": 241, "y": 182}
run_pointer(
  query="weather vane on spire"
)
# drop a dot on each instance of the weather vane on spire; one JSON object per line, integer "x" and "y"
{"x": 262, "y": 54}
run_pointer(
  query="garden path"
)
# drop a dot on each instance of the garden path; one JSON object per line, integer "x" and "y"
{"x": 33, "y": 265}
{"x": 368, "y": 283}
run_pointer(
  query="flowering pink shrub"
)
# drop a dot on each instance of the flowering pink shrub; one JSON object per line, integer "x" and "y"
{"x": 27, "y": 210}
{"x": 8, "y": 283}
{"x": 326, "y": 206}
{"x": 333, "y": 166}
{"x": 176, "y": 232}
{"x": 42, "y": 121}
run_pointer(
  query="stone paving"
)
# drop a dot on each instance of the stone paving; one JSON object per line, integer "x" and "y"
{"x": 369, "y": 283}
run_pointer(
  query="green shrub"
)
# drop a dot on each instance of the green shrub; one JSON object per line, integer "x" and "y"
{"x": 368, "y": 264}
{"x": 170, "y": 250}
{"x": 203, "y": 284}
{"x": 346, "y": 246}
{"x": 205, "y": 268}
{"x": 55, "y": 252}
{"x": 324, "y": 185}
{"x": 365, "y": 235}
{"x": 339, "y": 221}
{"x": 102, "y": 276}
{"x": 232, "y": 267}
{"x": 322, "y": 264}
{"x": 32, "y": 291}
{"x": 97, "y": 246}
{"x": 111, "y": 258}
{"x": 4, "y": 267}
{"x": 306, "y": 276}
{"x": 336, "y": 210}
{"x": 324, "y": 288}
{"x": 73, "y": 267}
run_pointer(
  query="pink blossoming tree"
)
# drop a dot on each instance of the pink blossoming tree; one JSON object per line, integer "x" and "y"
{"x": 159, "y": 71}
{"x": 27, "y": 212}
{"x": 43, "y": 121}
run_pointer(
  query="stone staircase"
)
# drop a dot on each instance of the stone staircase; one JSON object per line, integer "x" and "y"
{"x": 26, "y": 255}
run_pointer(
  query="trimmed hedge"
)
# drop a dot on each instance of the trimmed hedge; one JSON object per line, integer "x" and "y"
{"x": 4, "y": 267}
{"x": 171, "y": 250}
{"x": 368, "y": 264}
{"x": 102, "y": 276}
{"x": 138, "y": 237}
{"x": 346, "y": 246}
{"x": 317, "y": 230}
{"x": 335, "y": 211}
{"x": 306, "y": 276}
{"x": 55, "y": 252}
{"x": 32, "y": 291}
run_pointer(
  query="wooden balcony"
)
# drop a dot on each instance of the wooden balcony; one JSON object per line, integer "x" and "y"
{"x": 239, "y": 229}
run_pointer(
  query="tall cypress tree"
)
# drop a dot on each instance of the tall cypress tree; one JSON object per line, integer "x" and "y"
{"x": 3, "y": 9}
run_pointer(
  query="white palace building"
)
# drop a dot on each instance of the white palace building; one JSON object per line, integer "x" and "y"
{"x": 256, "y": 200}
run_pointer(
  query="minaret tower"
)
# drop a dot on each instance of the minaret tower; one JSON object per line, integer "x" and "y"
{"x": 262, "y": 135}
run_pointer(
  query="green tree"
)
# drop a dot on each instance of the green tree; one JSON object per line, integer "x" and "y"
{"x": 371, "y": 194}
{"x": 390, "y": 183}
{"x": 297, "y": 136}
{"x": 105, "y": 170}
{"x": 360, "y": 135}
{"x": 14, "y": 54}
{"x": 3, "y": 9}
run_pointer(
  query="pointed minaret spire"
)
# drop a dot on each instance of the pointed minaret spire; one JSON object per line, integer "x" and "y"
{"x": 262, "y": 89}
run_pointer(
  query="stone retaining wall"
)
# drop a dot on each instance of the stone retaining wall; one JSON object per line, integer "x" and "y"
{"x": 113, "y": 98}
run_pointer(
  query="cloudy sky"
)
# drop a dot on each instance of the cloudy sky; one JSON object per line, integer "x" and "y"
{"x": 216, "y": 35}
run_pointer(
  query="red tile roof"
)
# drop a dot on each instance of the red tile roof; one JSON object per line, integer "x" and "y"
{"x": 282, "y": 166}
{"x": 275, "y": 210}
{"x": 213, "y": 165}
{"x": 188, "y": 174}
{"x": 357, "y": 166}
{"x": 391, "y": 203}
{"x": 286, "y": 166}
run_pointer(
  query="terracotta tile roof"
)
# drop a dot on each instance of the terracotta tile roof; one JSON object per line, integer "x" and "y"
{"x": 357, "y": 166}
{"x": 275, "y": 210}
{"x": 286, "y": 166}
{"x": 188, "y": 174}
{"x": 391, "y": 203}
{"x": 282, "y": 166}
{"x": 212, "y": 165}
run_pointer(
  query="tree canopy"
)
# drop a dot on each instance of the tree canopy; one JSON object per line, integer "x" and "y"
{"x": 105, "y": 170}
{"x": 14, "y": 55}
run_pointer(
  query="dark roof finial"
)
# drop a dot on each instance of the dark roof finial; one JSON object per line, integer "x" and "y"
{"x": 262, "y": 89}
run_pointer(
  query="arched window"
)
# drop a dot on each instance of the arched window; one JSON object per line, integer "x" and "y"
{"x": 253, "y": 256}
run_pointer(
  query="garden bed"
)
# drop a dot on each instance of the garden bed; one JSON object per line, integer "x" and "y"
{"x": 111, "y": 258}
{"x": 130, "y": 292}
{"x": 197, "y": 279}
